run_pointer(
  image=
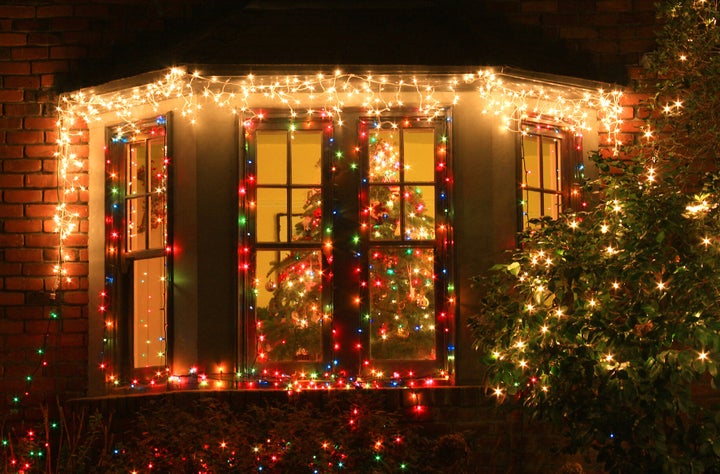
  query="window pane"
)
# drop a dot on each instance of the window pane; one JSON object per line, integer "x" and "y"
{"x": 288, "y": 306}
{"x": 385, "y": 213}
{"x": 552, "y": 205}
{"x": 533, "y": 209}
{"x": 419, "y": 154}
{"x": 531, "y": 162}
{"x": 550, "y": 164}
{"x": 402, "y": 303}
{"x": 272, "y": 215}
{"x": 158, "y": 216}
{"x": 137, "y": 169}
{"x": 157, "y": 166}
{"x": 306, "y": 148}
{"x": 149, "y": 312}
{"x": 307, "y": 214}
{"x": 271, "y": 156}
{"x": 384, "y": 152}
{"x": 419, "y": 212}
{"x": 136, "y": 224}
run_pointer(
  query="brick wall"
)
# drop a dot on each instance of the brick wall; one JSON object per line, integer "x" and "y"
{"x": 46, "y": 45}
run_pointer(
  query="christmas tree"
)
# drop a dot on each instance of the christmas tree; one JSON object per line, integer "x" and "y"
{"x": 290, "y": 326}
{"x": 401, "y": 279}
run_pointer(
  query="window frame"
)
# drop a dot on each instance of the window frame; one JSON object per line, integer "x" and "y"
{"x": 119, "y": 259}
{"x": 569, "y": 176}
{"x": 346, "y": 340}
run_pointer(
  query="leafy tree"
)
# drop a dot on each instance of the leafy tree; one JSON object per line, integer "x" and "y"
{"x": 606, "y": 322}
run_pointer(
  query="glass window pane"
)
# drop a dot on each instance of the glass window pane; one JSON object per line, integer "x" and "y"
{"x": 137, "y": 169}
{"x": 384, "y": 152}
{"x": 419, "y": 154}
{"x": 550, "y": 164}
{"x": 531, "y": 162}
{"x": 158, "y": 217}
{"x": 271, "y": 156}
{"x": 384, "y": 213}
{"x": 288, "y": 305}
{"x": 306, "y": 150}
{"x": 149, "y": 312}
{"x": 272, "y": 215}
{"x": 419, "y": 208}
{"x": 552, "y": 205}
{"x": 307, "y": 214}
{"x": 532, "y": 205}
{"x": 136, "y": 224}
{"x": 402, "y": 303}
{"x": 157, "y": 166}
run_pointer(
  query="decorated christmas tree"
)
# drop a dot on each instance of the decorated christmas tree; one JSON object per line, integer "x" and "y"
{"x": 401, "y": 279}
{"x": 290, "y": 326}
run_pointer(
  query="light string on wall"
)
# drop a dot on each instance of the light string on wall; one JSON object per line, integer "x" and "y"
{"x": 510, "y": 98}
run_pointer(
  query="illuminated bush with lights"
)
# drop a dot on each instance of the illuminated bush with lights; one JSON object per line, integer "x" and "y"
{"x": 605, "y": 321}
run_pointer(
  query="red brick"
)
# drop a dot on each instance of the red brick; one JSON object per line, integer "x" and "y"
{"x": 24, "y": 137}
{"x": 11, "y": 210}
{"x": 77, "y": 240}
{"x": 539, "y": 6}
{"x": 41, "y": 181}
{"x": 11, "y": 95}
{"x": 68, "y": 52}
{"x": 21, "y": 110}
{"x": 631, "y": 98}
{"x": 11, "y": 298}
{"x": 11, "y": 327}
{"x": 23, "y": 284}
{"x": 614, "y": 5}
{"x": 76, "y": 297}
{"x": 13, "y": 39}
{"x": 22, "y": 195}
{"x": 22, "y": 226}
{"x": 84, "y": 37}
{"x": 11, "y": 181}
{"x": 34, "y": 52}
{"x": 40, "y": 151}
{"x": 47, "y": 80}
{"x": 21, "y": 166}
{"x": 8, "y": 268}
{"x": 14, "y": 67}
{"x": 7, "y": 151}
{"x": 17, "y": 11}
{"x": 23, "y": 255}
{"x": 10, "y": 240}
{"x": 26, "y": 312}
{"x": 46, "y": 67}
{"x": 42, "y": 240}
{"x": 43, "y": 39}
{"x": 40, "y": 210}
{"x": 75, "y": 325}
{"x": 40, "y": 123}
{"x": 50, "y": 195}
{"x": 7, "y": 123}
{"x": 70, "y": 24}
{"x": 24, "y": 340}
{"x": 51, "y": 137}
{"x": 578, "y": 32}
{"x": 51, "y": 11}
{"x": 38, "y": 269}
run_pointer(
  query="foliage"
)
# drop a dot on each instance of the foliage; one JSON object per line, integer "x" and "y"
{"x": 605, "y": 322}
{"x": 347, "y": 432}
